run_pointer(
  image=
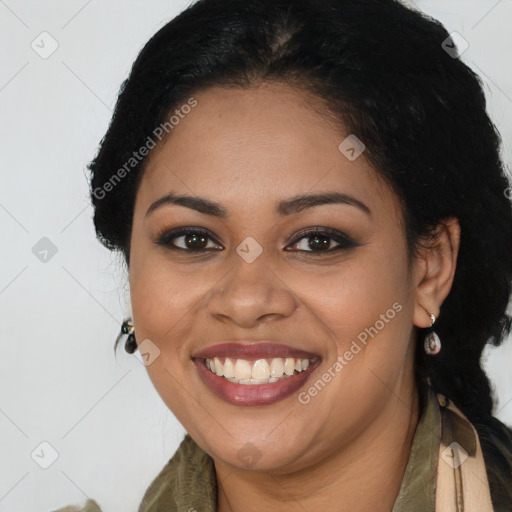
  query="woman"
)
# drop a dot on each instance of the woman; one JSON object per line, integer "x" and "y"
{"x": 311, "y": 203}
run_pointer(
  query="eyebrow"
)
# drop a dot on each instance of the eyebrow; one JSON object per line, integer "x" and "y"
{"x": 285, "y": 207}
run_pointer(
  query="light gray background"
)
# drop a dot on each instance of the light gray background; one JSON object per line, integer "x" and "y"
{"x": 59, "y": 379}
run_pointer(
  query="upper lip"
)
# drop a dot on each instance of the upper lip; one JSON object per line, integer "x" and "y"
{"x": 244, "y": 349}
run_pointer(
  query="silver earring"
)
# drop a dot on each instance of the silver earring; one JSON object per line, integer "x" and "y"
{"x": 432, "y": 342}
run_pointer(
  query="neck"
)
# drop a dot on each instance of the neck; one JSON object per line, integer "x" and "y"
{"x": 366, "y": 475}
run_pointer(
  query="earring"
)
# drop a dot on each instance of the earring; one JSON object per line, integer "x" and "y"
{"x": 432, "y": 342}
{"x": 127, "y": 328}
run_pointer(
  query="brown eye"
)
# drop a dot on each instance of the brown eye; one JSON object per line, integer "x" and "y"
{"x": 191, "y": 240}
{"x": 321, "y": 241}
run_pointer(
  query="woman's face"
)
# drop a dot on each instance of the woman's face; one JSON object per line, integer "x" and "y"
{"x": 262, "y": 294}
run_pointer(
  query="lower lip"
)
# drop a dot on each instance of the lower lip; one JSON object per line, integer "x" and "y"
{"x": 253, "y": 394}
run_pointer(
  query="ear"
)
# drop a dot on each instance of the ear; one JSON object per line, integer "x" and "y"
{"x": 434, "y": 270}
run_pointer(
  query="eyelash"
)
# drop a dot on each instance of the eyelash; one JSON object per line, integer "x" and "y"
{"x": 165, "y": 239}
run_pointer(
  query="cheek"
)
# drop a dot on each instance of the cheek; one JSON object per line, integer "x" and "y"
{"x": 160, "y": 298}
{"x": 353, "y": 297}
{"x": 364, "y": 308}
{"x": 165, "y": 305}
{"x": 164, "y": 302}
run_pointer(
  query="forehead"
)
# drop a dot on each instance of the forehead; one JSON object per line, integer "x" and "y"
{"x": 266, "y": 142}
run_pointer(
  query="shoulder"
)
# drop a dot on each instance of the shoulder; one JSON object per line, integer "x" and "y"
{"x": 496, "y": 441}
{"x": 187, "y": 481}
{"x": 90, "y": 506}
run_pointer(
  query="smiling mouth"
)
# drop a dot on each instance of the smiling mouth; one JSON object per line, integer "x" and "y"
{"x": 258, "y": 371}
{"x": 248, "y": 373}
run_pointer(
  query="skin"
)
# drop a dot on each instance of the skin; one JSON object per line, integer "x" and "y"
{"x": 246, "y": 150}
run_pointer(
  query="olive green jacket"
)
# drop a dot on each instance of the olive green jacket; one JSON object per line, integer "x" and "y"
{"x": 188, "y": 481}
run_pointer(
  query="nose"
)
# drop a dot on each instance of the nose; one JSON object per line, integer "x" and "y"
{"x": 251, "y": 293}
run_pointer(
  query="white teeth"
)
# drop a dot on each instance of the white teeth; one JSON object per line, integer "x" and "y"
{"x": 261, "y": 371}
{"x": 242, "y": 369}
{"x": 277, "y": 367}
{"x": 289, "y": 366}
{"x": 229, "y": 368}
{"x": 219, "y": 367}
{"x": 253, "y": 381}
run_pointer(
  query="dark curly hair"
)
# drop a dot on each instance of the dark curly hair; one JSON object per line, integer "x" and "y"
{"x": 381, "y": 70}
